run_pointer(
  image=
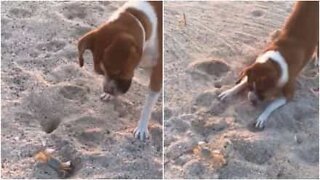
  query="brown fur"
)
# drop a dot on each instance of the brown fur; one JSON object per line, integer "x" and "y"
{"x": 296, "y": 42}
{"x": 118, "y": 46}
{"x": 156, "y": 75}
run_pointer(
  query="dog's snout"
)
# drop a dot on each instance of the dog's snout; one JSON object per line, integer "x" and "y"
{"x": 108, "y": 89}
{"x": 116, "y": 86}
{"x": 253, "y": 98}
{"x": 123, "y": 85}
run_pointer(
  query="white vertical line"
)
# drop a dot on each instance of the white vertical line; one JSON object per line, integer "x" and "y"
{"x": 163, "y": 90}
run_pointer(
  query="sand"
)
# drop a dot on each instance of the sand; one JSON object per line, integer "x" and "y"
{"x": 206, "y": 45}
{"x": 42, "y": 86}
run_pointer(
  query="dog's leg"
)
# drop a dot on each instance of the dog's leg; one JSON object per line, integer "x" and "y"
{"x": 155, "y": 85}
{"x": 267, "y": 112}
{"x": 141, "y": 132}
{"x": 234, "y": 90}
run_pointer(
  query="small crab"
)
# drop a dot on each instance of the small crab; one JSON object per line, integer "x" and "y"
{"x": 64, "y": 169}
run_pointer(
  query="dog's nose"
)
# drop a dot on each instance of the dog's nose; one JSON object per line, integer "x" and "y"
{"x": 253, "y": 98}
{"x": 108, "y": 90}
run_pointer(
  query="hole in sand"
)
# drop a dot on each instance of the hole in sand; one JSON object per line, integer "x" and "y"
{"x": 257, "y": 152}
{"x": 72, "y": 92}
{"x": 257, "y": 13}
{"x": 212, "y": 67}
{"x": 20, "y": 13}
{"x": 49, "y": 125}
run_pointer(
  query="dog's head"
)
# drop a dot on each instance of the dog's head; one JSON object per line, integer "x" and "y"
{"x": 115, "y": 55}
{"x": 262, "y": 81}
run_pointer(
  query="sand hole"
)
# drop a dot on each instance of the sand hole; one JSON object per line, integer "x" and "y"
{"x": 74, "y": 10}
{"x": 252, "y": 127}
{"x": 211, "y": 67}
{"x": 257, "y": 152}
{"x": 20, "y": 13}
{"x": 207, "y": 126}
{"x": 49, "y": 125}
{"x": 237, "y": 169}
{"x": 5, "y": 35}
{"x": 72, "y": 92}
{"x": 194, "y": 169}
{"x": 257, "y": 13}
{"x": 104, "y": 3}
{"x": 204, "y": 99}
{"x": 217, "y": 108}
{"x": 52, "y": 46}
{"x": 309, "y": 154}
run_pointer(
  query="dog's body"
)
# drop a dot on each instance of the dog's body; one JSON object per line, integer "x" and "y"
{"x": 273, "y": 75}
{"x": 132, "y": 36}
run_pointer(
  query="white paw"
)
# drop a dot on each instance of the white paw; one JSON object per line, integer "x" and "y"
{"x": 260, "y": 122}
{"x": 105, "y": 97}
{"x": 225, "y": 94}
{"x": 316, "y": 61}
{"x": 141, "y": 133}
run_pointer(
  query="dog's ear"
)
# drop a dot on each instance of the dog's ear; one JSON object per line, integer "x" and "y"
{"x": 85, "y": 42}
{"x": 120, "y": 50}
{"x": 243, "y": 73}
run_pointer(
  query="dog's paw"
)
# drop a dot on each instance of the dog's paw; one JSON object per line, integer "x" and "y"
{"x": 260, "y": 122}
{"x": 141, "y": 133}
{"x": 225, "y": 94}
{"x": 105, "y": 97}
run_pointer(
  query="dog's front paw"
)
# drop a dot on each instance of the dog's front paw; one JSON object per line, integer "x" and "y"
{"x": 260, "y": 122}
{"x": 105, "y": 97}
{"x": 141, "y": 133}
{"x": 225, "y": 94}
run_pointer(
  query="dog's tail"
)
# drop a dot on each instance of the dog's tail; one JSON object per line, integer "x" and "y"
{"x": 85, "y": 42}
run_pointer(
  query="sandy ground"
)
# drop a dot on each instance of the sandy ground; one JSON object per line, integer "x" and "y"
{"x": 43, "y": 86}
{"x": 206, "y": 45}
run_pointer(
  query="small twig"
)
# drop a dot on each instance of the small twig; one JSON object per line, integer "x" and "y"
{"x": 184, "y": 19}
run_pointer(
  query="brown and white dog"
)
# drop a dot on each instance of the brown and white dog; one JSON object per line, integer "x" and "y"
{"x": 132, "y": 36}
{"x": 272, "y": 76}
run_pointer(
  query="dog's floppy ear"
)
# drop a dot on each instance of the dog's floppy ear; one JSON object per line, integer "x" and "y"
{"x": 85, "y": 42}
{"x": 243, "y": 73}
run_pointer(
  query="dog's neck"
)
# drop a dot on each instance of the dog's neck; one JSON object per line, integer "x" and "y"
{"x": 276, "y": 57}
{"x": 141, "y": 27}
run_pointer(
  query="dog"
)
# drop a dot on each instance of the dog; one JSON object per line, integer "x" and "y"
{"x": 272, "y": 76}
{"x": 132, "y": 36}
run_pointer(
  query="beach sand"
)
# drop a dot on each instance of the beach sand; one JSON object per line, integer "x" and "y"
{"x": 206, "y": 46}
{"x": 43, "y": 88}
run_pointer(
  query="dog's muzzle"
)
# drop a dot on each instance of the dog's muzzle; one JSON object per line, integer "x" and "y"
{"x": 116, "y": 86}
{"x": 253, "y": 98}
{"x": 123, "y": 85}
